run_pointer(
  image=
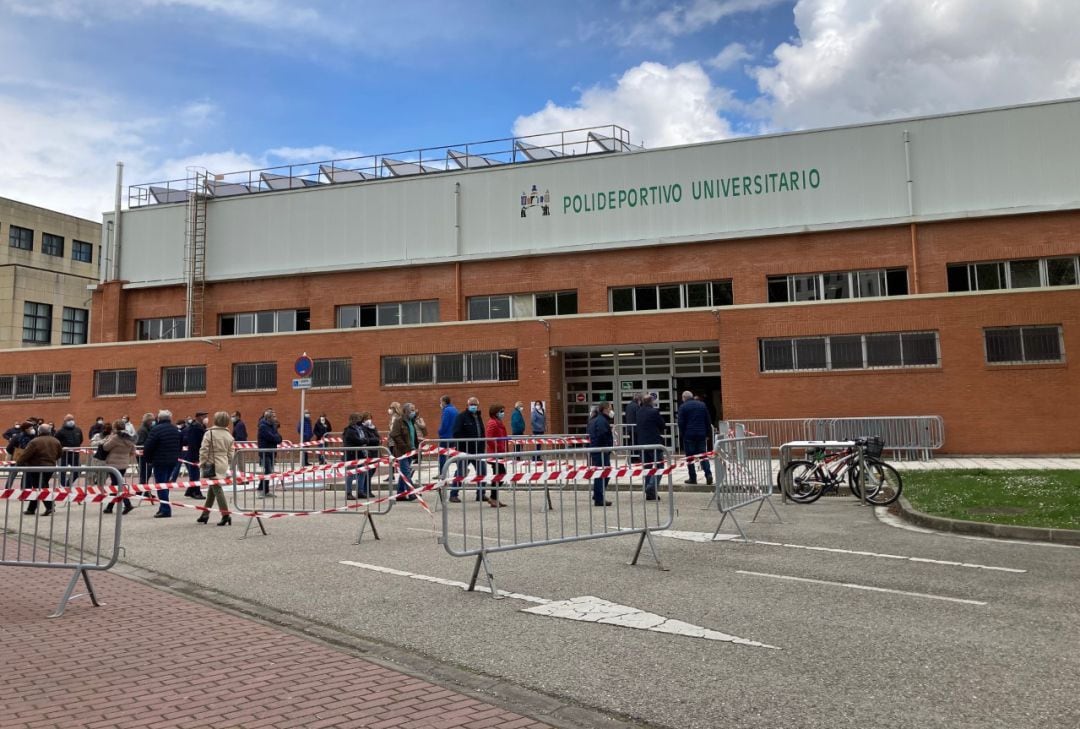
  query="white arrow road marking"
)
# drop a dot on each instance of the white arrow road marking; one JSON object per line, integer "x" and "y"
{"x": 860, "y": 587}
{"x": 595, "y": 610}
{"x": 587, "y": 609}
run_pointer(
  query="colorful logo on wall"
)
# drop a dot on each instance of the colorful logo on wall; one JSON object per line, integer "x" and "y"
{"x": 536, "y": 199}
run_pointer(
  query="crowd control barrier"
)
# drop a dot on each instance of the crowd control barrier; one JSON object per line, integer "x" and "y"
{"x": 744, "y": 477}
{"x": 67, "y": 528}
{"x": 268, "y": 481}
{"x": 912, "y": 435}
{"x": 553, "y": 503}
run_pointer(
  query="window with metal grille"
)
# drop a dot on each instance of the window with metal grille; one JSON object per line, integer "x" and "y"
{"x": 108, "y": 383}
{"x": 388, "y": 314}
{"x": 21, "y": 238}
{"x": 1024, "y": 345}
{"x": 332, "y": 373}
{"x": 837, "y": 285}
{"x": 1018, "y": 274}
{"x": 169, "y": 327}
{"x": 35, "y": 386}
{"x": 671, "y": 296}
{"x": 249, "y": 376}
{"x": 37, "y": 323}
{"x": 74, "y": 326}
{"x": 52, "y": 245}
{"x": 850, "y": 352}
{"x": 82, "y": 251}
{"x": 183, "y": 380}
{"x": 427, "y": 369}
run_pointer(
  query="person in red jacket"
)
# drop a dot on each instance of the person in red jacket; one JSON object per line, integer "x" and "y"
{"x": 495, "y": 432}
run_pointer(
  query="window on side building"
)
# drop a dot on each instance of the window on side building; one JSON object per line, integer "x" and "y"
{"x": 1024, "y": 345}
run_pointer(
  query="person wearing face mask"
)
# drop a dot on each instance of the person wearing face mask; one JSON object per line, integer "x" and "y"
{"x": 148, "y": 423}
{"x": 600, "y": 436}
{"x": 70, "y": 436}
{"x": 446, "y": 427}
{"x": 469, "y": 427}
{"x": 405, "y": 436}
{"x": 496, "y": 444}
{"x": 305, "y": 431}
{"x": 359, "y": 434}
{"x": 319, "y": 430}
{"x": 128, "y": 427}
{"x": 394, "y": 411}
{"x": 517, "y": 422}
{"x": 97, "y": 427}
{"x": 269, "y": 440}
{"x": 239, "y": 428}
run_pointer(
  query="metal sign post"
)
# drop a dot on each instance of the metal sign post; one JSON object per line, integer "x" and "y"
{"x": 303, "y": 368}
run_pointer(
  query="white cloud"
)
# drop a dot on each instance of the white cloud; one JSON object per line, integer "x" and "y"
{"x": 660, "y": 105}
{"x": 858, "y": 61}
{"x": 729, "y": 56}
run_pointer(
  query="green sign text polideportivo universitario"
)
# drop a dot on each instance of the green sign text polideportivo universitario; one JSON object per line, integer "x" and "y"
{"x": 764, "y": 183}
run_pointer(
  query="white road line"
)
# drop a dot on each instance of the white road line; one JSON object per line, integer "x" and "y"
{"x": 860, "y": 587}
{"x": 885, "y": 517}
{"x": 442, "y": 581}
{"x": 898, "y": 557}
{"x": 585, "y": 609}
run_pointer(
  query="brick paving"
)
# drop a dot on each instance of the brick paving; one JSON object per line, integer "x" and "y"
{"x": 151, "y": 659}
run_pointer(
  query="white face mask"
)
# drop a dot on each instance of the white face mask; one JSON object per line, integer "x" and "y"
{"x": 368, "y": 422}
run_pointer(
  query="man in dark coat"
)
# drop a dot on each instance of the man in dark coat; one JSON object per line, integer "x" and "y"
{"x": 143, "y": 433}
{"x": 694, "y": 427}
{"x": 70, "y": 436}
{"x": 269, "y": 440}
{"x": 193, "y": 438}
{"x": 469, "y": 424}
{"x": 161, "y": 450}
{"x": 650, "y": 432}
{"x": 42, "y": 451}
{"x": 239, "y": 428}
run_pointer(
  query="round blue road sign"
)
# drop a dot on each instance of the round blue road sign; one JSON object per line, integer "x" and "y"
{"x": 303, "y": 366}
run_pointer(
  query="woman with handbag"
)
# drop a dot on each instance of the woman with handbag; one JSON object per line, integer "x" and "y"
{"x": 214, "y": 455}
{"x": 98, "y": 456}
{"x": 119, "y": 451}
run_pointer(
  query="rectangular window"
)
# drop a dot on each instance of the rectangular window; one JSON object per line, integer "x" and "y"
{"x": 35, "y": 386}
{"x": 1022, "y": 345}
{"x": 837, "y": 285}
{"x": 265, "y": 322}
{"x": 850, "y": 352}
{"x": 52, "y": 245}
{"x": 332, "y": 373}
{"x": 1018, "y": 274}
{"x": 108, "y": 383}
{"x": 21, "y": 238}
{"x": 74, "y": 326}
{"x": 387, "y": 314}
{"x": 37, "y": 323}
{"x": 671, "y": 296}
{"x": 183, "y": 380}
{"x": 426, "y": 369}
{"x": 82, "y": 251}
{"x": 170, "y": 327}
{"x": 249, "y": 376}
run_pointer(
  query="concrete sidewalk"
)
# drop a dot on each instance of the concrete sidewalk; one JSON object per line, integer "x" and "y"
{"x": 148, "y": 658}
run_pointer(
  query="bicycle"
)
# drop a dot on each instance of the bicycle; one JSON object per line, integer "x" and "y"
{"x": 806, "y": 481}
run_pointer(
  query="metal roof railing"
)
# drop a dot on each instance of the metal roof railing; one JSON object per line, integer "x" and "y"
{"x": 606, "y": 139}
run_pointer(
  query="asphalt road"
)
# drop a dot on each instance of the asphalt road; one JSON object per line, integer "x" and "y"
{"x": 950, "y": 646}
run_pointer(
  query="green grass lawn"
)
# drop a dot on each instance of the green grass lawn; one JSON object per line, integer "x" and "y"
{"x": 1024, "y": 498}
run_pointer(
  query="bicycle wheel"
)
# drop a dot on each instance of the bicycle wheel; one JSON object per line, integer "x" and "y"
{"x": 803, "y": 482}
{"x": 883, "y": 483}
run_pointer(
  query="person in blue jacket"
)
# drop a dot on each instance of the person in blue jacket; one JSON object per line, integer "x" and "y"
{"x": 650, "y": 432}
{"x": 446, "y": 427}
{"x": 517, "y": 422}
{"x": 306, "y": 433}
{"x": 193, "y": 438}
{"x": 161, "y": 449}
{"x": 269, "y": 440}
{"x": 599, "y": 430}
{"x": 694, "y": 427}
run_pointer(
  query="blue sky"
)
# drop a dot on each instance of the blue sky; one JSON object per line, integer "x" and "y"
{"x": 233, "y": 84}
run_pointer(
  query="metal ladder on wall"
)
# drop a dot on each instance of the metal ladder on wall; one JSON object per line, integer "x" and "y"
{"x": 195, "y": 250}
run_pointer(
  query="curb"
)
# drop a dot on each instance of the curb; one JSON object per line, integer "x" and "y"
{"x": 1001, "y": 531}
